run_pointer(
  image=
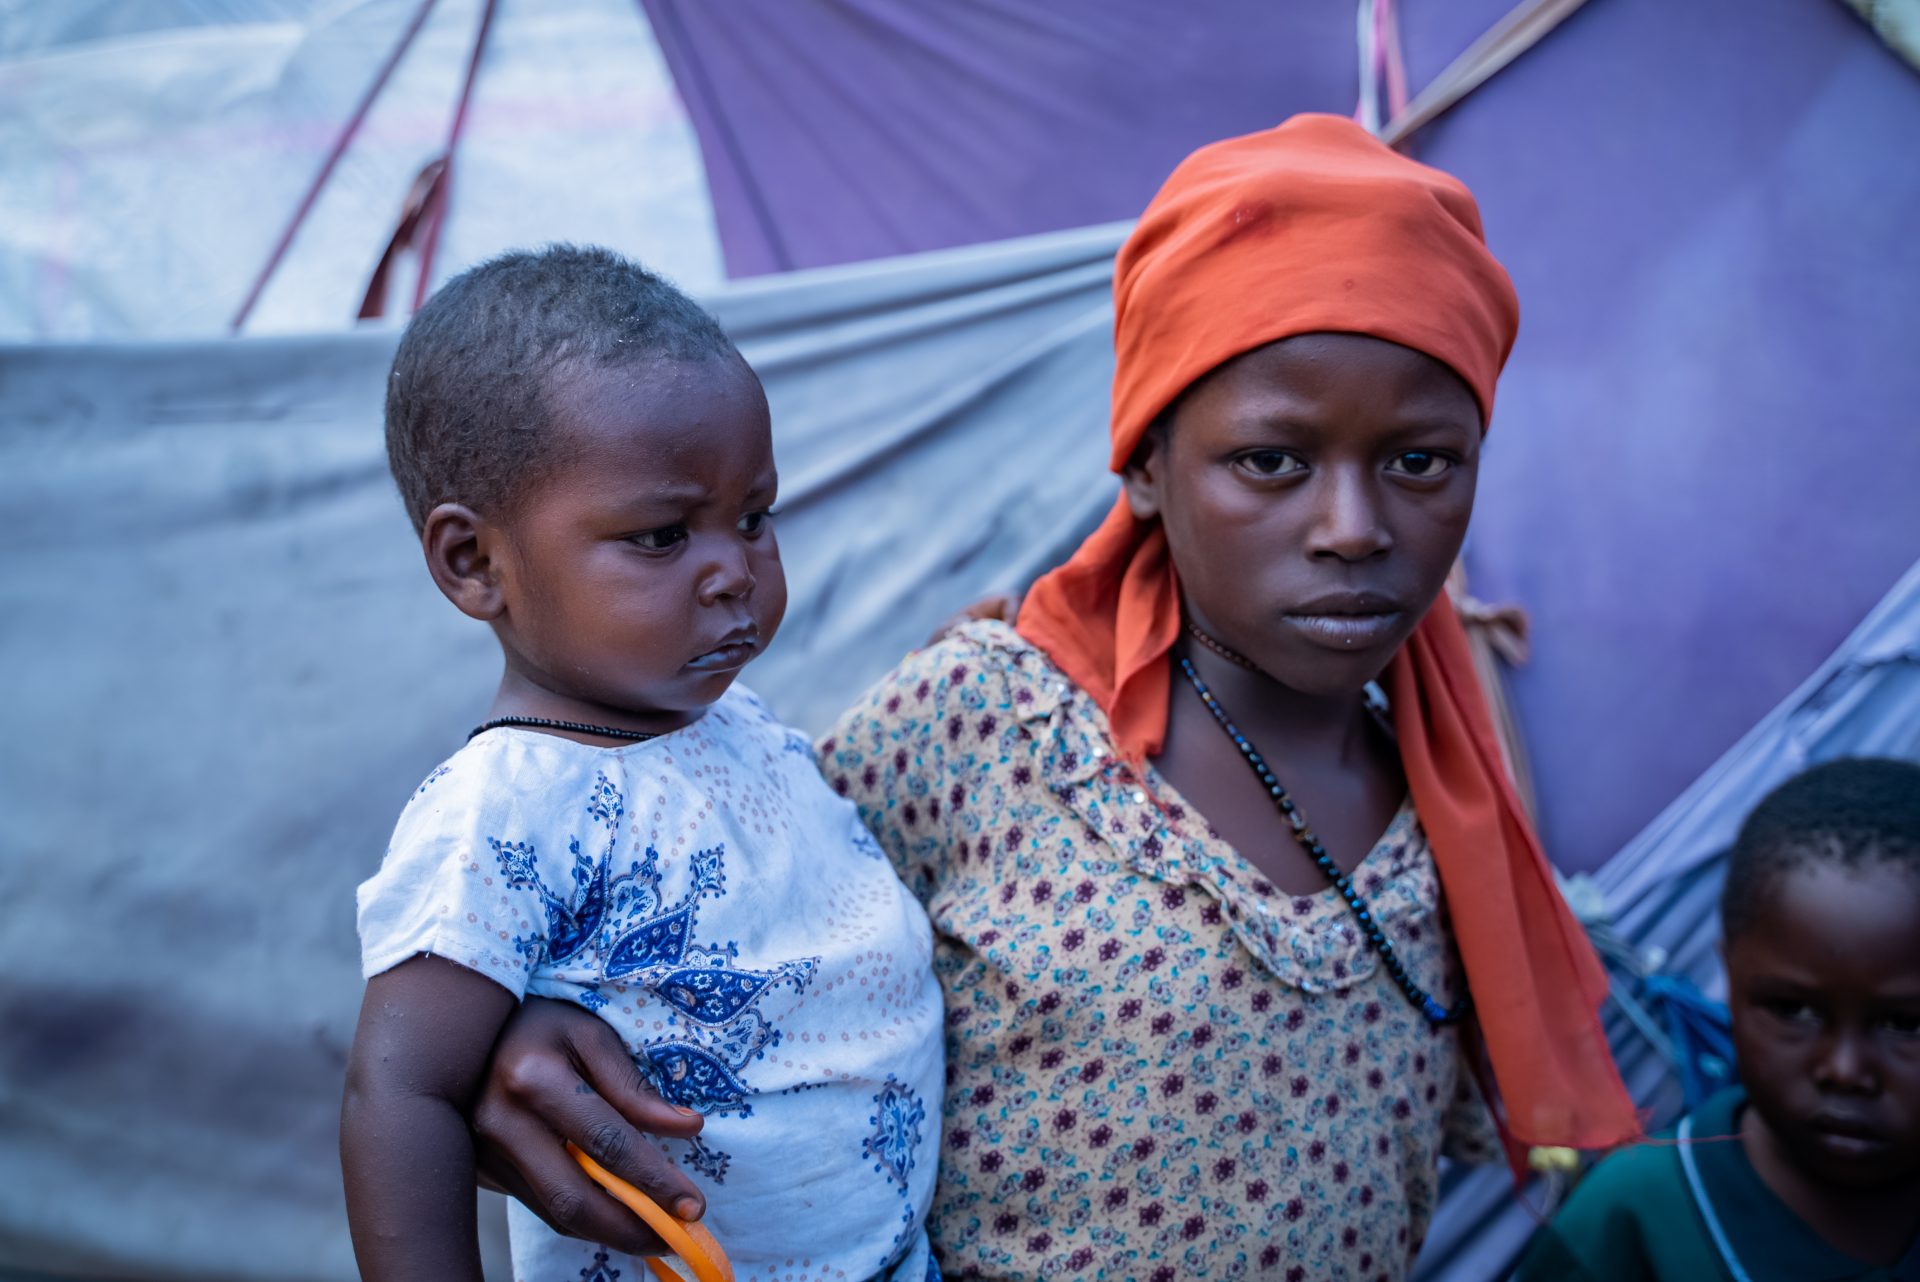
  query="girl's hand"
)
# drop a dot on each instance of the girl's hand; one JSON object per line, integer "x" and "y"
{"x": 557, "y": 1073}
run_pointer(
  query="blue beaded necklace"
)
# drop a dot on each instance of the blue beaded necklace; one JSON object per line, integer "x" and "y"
{"x": 1297, "y": 822}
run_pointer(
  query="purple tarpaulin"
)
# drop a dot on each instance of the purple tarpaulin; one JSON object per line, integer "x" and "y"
{"x": 1703, "y": 471}
{"x": 840, "y": 130}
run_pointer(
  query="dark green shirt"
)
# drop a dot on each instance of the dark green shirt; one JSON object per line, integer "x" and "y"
{"x": 1641, "y": 1216}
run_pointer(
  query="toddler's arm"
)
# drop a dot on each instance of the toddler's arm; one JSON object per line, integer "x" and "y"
{"x": 426, "y": 1027}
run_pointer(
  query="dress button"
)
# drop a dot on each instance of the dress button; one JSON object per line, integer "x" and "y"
{"x": 1139, "y": 798}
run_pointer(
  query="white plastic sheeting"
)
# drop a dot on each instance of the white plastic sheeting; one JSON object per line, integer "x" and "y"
{"x": 224, "y": 668}
{"x": 151, "y": 154}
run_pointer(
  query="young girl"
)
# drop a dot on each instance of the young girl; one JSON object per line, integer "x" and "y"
{"x": 590, "y": 467}
{"x": 1223, "y": 943}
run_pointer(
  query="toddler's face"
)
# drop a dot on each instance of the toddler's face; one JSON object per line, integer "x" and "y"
{"x": 643, "y": 571}
{"x": 1824, "y": 990}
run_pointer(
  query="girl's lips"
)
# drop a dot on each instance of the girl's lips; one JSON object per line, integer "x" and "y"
{"x": 1346, "y": 631}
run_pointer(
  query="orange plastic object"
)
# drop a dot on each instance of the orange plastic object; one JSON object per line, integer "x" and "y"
{"x": 689, "y": 1239}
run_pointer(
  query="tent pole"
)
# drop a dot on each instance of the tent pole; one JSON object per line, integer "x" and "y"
{"x": 340, "y": 144}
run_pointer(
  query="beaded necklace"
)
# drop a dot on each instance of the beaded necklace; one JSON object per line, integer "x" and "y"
{"x": 1302, "y": 833}
{"x": 547, "y": 723}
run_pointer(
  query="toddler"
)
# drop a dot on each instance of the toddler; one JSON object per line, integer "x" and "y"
{"x": 589, "y": 463}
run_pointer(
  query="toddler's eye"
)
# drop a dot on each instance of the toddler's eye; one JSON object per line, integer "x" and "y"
{"x": 1424, "y": 464}
{"x": 1271, "y": 463}
{"x": 664, "y": 539}
{"x": 754, "y": 522}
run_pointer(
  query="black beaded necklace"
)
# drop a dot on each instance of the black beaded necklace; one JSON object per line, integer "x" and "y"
{"x": 545, "y": 723}
{"x": 1302, "y": 833}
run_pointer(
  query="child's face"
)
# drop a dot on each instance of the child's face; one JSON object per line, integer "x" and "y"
{"x": 641, "y": 573}
{"x": 1824, "y": 989}
{"x": 1315, "y": 493}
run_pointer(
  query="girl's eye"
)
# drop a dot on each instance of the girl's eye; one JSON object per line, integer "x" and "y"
{"x": 754, "y": 522}
{"x": 1271, "y": 463}
{"x": 664, "y": 539}
{"x": 1906, "y": 1024}
{"x": 1424, "y": 464}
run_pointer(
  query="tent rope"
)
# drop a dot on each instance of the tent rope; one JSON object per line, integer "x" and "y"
{"x": 340, "y": 144}
{"x": 1512, "y": 36}
{"x": 437, "y": 205}
{"x": 423, "y": 213}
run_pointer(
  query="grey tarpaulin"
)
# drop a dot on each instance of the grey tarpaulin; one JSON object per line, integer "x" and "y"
{"x": 1663, "y": 889}
{"x": 223, "y": 669}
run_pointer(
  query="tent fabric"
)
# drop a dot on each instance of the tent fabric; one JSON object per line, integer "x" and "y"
{"x": 1897, "y": 22}
{"x": 1699, "y": 204}
{"x": 867, "y": 128}
{"x": 1703, "y": 207}
{"x": 225, "y": 668}
{"x": 152, "y": 154}
{"x": 1663, "y": 889}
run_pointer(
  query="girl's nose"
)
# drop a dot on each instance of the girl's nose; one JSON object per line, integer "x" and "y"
{"x": 1348, "y": 523}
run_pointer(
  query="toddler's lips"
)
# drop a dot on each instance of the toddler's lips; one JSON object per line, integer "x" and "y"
{"x": 734, "y": 653}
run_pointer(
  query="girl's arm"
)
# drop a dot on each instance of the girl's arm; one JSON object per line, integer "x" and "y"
{"x": 426, "y": 1027}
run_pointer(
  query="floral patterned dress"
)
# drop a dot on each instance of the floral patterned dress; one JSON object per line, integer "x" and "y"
{"x": 1159, "y": 1065}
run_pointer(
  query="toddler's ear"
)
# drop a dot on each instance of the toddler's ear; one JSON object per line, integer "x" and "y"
{"x": 462, "y": 551}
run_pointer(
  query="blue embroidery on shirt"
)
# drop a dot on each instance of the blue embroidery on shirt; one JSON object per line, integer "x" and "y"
{"x": 658, "y": 941}
{"x": 601, "y": 1270}
{"x": 897, "y": 1118}
{"x": 896, "y": 1122}
{"x": 715, "y": 993}
{"x": 710, "y": 1162}
{"x": 645, "y": 942}
{"x": 692, "y": 1078}
{"x": 863, "y": 842}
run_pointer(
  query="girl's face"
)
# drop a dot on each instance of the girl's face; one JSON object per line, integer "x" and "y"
{"x": 1315, "y": 493}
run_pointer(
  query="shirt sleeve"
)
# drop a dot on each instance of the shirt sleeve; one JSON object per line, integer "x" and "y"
{"x": 452, "y": 886}
{"x": 888, "y": 755}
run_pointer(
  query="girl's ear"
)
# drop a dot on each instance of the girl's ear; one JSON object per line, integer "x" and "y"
{"x": 1144, "y": 474}
{"x": 464, "y": 557}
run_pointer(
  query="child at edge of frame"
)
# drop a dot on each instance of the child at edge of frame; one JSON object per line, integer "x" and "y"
{"x": 1809, "y": 1169}
{"x": 588, "y": 461}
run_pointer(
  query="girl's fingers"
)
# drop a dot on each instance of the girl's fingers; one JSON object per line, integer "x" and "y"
{"x": 556, "y": 1089}
{"x": 602, "y": 1059}
{"x": 548, "y": 1182}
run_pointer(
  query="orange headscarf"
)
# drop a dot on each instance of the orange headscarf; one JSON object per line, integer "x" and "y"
{"x": 1310, "y": 227}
